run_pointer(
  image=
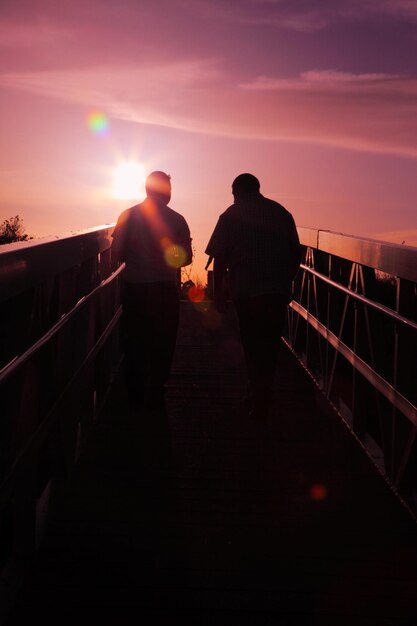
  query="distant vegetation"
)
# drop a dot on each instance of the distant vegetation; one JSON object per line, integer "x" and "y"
{"x": 12, "y": 230}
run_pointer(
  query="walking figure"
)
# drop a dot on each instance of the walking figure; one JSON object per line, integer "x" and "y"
{"x": 154, "y": 241}
{"x": 256, "y": 242}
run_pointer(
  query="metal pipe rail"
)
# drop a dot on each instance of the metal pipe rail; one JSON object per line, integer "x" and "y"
{"x": 53, "y": 390}
{"x": 359, "y": 298}
{"x": 353, "y": 324}
{"x": 20, "y": 360}
{"x": 40, "y": 280}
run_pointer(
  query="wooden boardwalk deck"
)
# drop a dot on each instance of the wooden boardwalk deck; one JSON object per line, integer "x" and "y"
{"x": 206, "y": 518}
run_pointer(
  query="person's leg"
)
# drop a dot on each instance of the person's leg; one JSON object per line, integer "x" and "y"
{"x": 163, "y": 327}
{"x": 134, "y": 340}
{"x": 261, "y": 321}
{"x": 273, "y": 311}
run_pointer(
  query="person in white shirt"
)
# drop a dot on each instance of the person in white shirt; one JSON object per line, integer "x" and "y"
{"x": 154, "y": 241}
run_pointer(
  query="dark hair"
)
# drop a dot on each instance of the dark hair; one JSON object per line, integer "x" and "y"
{"x": 158, "y": 182}
{"x": 245, "y": 183}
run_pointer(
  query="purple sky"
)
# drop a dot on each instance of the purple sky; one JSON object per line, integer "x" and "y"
{"x": 316, "y": 98}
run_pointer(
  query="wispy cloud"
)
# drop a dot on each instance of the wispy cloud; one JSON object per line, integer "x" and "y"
{"x": 305, "y": 16}
{"x": 401, "y": 8}
{"x": 28, "y": 35}
{"x": 115, "y": 87}
{"x": 275, "y": 13}
{"x": 371, "y": 111}
{"x": 335, "y": 81}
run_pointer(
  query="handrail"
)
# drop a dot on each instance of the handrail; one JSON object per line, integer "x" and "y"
{"x": 393, "y": 258}
{"x": 53, "y": 387}
{"x": 7, "y": 484}
{"x": 365, "y": 366}
{"x": 25, "y": 264}
{"x": 360, "y": 298}
{"x": 383, "y": 386}
{"x": 18, "y": 361}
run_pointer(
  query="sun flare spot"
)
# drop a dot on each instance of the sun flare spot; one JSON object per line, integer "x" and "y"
{"x": 129, "y": 181}
{"x": 174, "y": 255}
{"x": 98, "y": 122}
{"x": 318, "y": 492}
{"x": 196, "y": 294}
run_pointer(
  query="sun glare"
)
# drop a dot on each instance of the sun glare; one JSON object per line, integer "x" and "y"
{"x": 129, "y": 181}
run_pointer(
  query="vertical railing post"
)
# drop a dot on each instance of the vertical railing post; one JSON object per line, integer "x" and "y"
{"x": 405, "y": 470}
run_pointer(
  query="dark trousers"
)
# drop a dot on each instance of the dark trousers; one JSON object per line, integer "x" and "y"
{"x": 149, "y": 331}
{"x": 261, "y": 322}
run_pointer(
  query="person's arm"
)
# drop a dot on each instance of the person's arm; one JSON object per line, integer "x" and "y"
{"x": 188, "y": 257}
{"x": 185, "y": 245}
{"x": 117, "y": 251}
{"x": 116, "y": 257}
{"x": 217, "y": 249}
{"x": 295, "y": 250}
{"x": 219, "y": 276}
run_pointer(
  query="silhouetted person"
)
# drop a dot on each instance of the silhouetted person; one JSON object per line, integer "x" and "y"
{"x": 256, "y": 241}
{"x": 154, "y": 241}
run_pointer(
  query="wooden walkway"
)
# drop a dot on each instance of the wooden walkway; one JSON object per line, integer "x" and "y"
{"x": 203, "y": 517}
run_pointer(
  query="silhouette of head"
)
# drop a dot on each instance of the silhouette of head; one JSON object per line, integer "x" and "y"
{"x": 158, "y": 186}
{"x": 244, "y": 184}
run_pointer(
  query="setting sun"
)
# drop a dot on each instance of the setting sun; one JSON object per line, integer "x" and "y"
{"x": 129, "y": 181}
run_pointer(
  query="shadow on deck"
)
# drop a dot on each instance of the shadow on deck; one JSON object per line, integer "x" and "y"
{"x": 204, "y": 517}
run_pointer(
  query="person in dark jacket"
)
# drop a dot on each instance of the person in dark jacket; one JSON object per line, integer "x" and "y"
{"x": 255, "y": 243}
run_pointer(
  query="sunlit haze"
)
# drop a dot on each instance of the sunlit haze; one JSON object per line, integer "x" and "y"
{"x": 129, "y": 181}
{"x": 317, "y": 98}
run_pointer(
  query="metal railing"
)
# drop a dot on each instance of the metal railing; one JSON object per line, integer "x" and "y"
{"x": 60, "y": 309}
{"x": 353, "y": 324}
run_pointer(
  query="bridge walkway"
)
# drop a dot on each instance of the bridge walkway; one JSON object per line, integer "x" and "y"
{"x": 202, "y": 516}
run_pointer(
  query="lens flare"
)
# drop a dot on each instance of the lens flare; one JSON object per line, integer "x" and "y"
{"x": 195, "y": 294}
{"x": 211, "y": 318}
{"x": 98, "y": 122}
{"x": 129, "y": 181}
{"x": 318, "y": 492}
{"x": 165, "y": 242}
{"x": 174, "y": 256}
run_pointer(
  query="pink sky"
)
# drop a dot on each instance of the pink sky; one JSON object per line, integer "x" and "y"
{"x": 317, "y": 98}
